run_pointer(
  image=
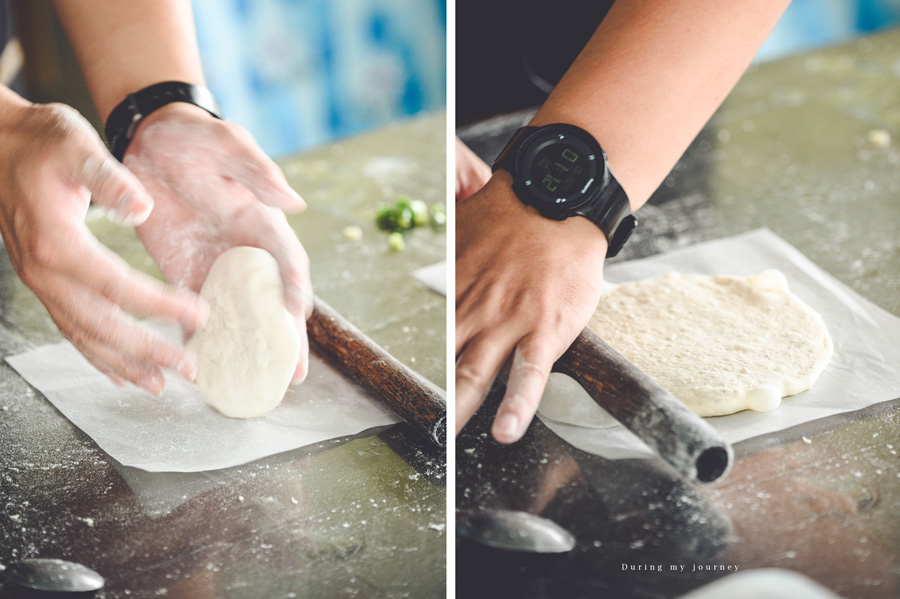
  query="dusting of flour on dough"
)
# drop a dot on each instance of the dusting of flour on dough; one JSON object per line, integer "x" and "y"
{"x": 720, "y": 344}
{"x": 248, "y": 350}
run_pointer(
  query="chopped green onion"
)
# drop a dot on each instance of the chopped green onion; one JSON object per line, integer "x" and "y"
{"x": 396, "y": 241}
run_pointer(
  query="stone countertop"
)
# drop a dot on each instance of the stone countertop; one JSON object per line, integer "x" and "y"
{"x": 363, "y": 517}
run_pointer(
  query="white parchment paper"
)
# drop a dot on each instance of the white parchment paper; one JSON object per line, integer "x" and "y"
{"x": 178, "y": 432}
{"x": 434, "y": 276}
{"x": 865, "y": 369}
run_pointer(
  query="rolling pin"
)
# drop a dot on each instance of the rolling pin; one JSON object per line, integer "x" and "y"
{"x": 680, "y": 437}
{"x": 415, "y": 400}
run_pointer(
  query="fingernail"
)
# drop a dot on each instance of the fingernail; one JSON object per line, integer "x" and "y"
{"x": 124, "y": 211}
{"x": 198, "y": 311}
{"x": 298, "y": 199}
{"x": 507, "y": 425}
{"x": 299, "y": 301}
{"x": 187, "y": 368}
{"x": 152, "y": 384}
{"x": 302, "y": 377}
{"x": 127, "y": 212}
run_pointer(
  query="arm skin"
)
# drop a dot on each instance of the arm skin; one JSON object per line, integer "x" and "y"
{"x": 644, "y": 86}
{"x": 212, "y": 187}
{"x": 126, "y": 45}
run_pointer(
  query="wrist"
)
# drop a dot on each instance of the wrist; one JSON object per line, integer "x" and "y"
{"x": 549, "y": 114}
{"x": 578, "y": 230}
{"x": 176, "y": 111}
{"x": 561, "y": 170}
{"x": 127, "y": 117}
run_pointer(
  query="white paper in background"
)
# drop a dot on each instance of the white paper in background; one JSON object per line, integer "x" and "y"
{"x": 863, "y": 371}
{"x": 178, "y": 432}
{"x": 434, "y": 276}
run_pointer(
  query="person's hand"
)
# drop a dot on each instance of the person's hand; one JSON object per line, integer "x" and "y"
{"x": 471, "y": 171}
{"x": 525, "y": 287}
{"x": 52, "y": 163}
{"x": 214, "y": 189}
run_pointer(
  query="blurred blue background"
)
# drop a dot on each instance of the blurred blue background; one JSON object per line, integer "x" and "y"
{"x": 810, "y": 24}
{"x": 299, "y": 73}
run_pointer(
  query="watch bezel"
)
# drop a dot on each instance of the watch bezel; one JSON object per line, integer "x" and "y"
{"x": 569, "y": 204}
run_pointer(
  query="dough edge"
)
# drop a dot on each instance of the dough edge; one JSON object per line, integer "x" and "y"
{"x": 762, "y": 398}
{"x": 252, "y": 274}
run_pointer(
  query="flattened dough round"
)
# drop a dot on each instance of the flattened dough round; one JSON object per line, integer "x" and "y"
{"x": 720, "y": 344}
{"x": 248, "y": 350}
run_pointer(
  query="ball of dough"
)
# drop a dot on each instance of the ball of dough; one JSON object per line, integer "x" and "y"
{"x": 248, "y": 350}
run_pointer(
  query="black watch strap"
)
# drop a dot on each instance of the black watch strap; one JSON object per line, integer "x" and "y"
{"x": 612, "y": 213}
{"x": 611, "y": 210}
{"x": 125, "y": 118}
{"x": 506, "y": 159}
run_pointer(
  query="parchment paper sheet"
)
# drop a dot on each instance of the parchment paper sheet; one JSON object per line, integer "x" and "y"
{"x": 865, "y": 369}
{"x": 434, "y": 276}
{"x": 178, "y": 432}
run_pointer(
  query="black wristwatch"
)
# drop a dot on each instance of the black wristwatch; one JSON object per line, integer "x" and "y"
{"x": 125, "y": 118}
{"x": 562, "y": 171}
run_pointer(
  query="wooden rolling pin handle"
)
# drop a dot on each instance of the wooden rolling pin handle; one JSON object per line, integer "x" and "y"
{"x": 415, "y": 400}
{"x": 680, "y": 437}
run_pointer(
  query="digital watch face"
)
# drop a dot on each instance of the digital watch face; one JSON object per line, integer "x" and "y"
{"x": 559, "y": 169}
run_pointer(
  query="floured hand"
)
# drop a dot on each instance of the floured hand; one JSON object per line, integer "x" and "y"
{"x": 53, "y": 164}
{"x": 215, "y": 189}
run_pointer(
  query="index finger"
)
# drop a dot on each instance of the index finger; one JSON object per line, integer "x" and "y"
{"x": 108, "y": 275}
{"x": 531, "y": 364}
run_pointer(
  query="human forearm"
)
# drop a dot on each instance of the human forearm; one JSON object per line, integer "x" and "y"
{"x": 126, "y": 45}
{"x": 652, "y": 76}
{"x": 526, "y": 285}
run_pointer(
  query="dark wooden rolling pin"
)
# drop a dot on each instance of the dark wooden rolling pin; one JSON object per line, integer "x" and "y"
{"x": 415, "y": 400}
{"x": 680, "y": 437}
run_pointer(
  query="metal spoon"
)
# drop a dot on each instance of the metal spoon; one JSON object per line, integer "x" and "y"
{"x": 514, "y": 530}
{"x": 52, "y": 575}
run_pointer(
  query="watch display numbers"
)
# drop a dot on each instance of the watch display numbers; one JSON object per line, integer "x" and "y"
{"x": 562, "y": 171}
{"x": 550, "y": 183}
{"x": 561, "y": 167}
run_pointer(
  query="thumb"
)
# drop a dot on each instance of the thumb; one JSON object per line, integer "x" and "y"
{"x": 113, "y": 187}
